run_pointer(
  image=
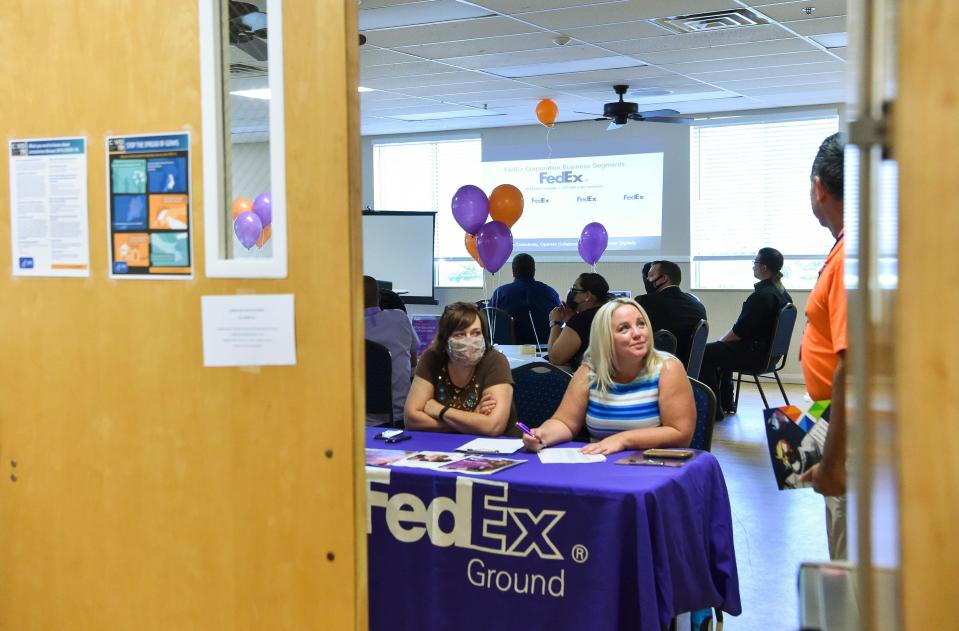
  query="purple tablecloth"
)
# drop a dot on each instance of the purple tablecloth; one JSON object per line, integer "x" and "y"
{"x": 584, "y": 546}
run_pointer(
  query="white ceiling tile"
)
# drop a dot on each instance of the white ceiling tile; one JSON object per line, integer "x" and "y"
{"x": 483, "y": 46}
{"x": 544, "y": 55}
{"x": 818, "y": 26}
{"x": 616, "y": 32}
{"x": 732, "y": 51}
{"x": 791, "y": 11}
{"x": 795, "y": 89}
{"x": 411, "y": 69}
{"x": 400, "y": 84}
{"x": 448, "y": 32}
{"x": 743, "y": 35}
{"x": 624, "y": 11}
{"x": 460, "y": 88}
{"x": 775, "y": 71}
{"x": 510, "y": 7}
{"x": 766, "y": 61}
{"x": 379, "y": 4}
{"x": 620, "y": 75}
{"x": 791, "y": 80}
{"x": 372, "y": 56}
{"x": 842, "y": 52}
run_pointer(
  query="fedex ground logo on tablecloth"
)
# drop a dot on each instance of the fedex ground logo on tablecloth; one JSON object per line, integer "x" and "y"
{"x": 478, "y": 517}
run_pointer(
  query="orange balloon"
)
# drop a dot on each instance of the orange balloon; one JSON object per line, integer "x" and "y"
{"x": 241, "y": 205}
{"x": 471, "y": 248}
{"x": 264, "y": 236}
{"x": 506, "y": 204}
{"x": 546, "y": 112}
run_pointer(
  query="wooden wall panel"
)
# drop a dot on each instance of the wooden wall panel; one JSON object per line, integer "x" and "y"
{"x": 927, "y": 370}
{"x": 153, "y": 493}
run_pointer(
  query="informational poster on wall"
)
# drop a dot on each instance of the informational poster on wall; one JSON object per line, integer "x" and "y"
{"x": 48, "y": 207}
{"x": 149, "y": 205}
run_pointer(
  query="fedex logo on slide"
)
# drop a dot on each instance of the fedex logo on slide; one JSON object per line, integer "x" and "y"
{"x": 636, "y": 196}
{"x": 563, "y": 178}
{"x": 539, "y": 200}
{"x": 478, "y": 517}
{"x": 587, "y": 198}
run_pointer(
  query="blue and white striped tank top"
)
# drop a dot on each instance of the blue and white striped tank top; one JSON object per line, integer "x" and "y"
{"x": 633, "y": 405}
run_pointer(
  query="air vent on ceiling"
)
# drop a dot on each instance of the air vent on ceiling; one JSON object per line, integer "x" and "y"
{"x": 247, "y": 70}
{"x": 712, "y": 21}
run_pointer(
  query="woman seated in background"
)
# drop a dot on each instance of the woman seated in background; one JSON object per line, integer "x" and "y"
{"x": 630, "y": 395}
{"x": 569, "y": 323}
{"x": 461, "y": 383}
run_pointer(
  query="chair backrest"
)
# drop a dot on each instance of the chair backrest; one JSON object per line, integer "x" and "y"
{"x": 697, "y": 347}
{"x": 379, "y": 380}
{"x": 665, "y": 341}
{"x": 539, "y": 388}
{"x": 501, "y": 325}
{"x": 782, "y": 335}
{"x": 705, "y": 415}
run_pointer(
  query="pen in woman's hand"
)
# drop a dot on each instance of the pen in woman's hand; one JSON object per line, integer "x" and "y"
{"x": 526, "y": 430}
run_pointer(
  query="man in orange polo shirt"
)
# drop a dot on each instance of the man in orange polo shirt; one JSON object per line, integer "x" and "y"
{"x": 824, "y": 341}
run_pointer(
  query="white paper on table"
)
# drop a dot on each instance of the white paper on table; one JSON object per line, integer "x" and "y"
{"x": 492, "y": 446}
{"x": 249, "y": 330}
{"x": 568, "y": 455}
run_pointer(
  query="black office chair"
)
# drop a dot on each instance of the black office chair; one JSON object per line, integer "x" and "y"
{"x": 537, "y": 391}
{"x": 501, "y": 325}
{"x": 705, "y": 401}
{"x": 697, "y": 347}
{"x": 776, "y": 358}
{"x": 665, "y": 341}
{"x": 379, "y": 381}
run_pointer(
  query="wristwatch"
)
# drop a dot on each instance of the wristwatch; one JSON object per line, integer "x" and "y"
{"x": 553, "y": 323}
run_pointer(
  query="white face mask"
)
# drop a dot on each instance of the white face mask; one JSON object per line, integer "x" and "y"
{"x": 466, "y": 350}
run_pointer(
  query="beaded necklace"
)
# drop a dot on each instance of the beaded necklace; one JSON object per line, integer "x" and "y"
{"x": 448, "y": 393}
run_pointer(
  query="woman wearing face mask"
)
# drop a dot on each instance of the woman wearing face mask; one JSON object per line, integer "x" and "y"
{"x": 570, "y": 322}
{"x": 461, "y": 384}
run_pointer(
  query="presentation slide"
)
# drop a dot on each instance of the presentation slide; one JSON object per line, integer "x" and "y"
{"x": 622, "y": 192}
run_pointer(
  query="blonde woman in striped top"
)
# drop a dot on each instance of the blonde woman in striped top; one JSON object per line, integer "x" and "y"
{"x": 629, "y": 395}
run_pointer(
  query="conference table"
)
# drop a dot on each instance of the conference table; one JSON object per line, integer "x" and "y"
{"x": 546, "y": 546}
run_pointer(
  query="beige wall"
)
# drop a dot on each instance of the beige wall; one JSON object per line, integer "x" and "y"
{"x": 153, "y": 493}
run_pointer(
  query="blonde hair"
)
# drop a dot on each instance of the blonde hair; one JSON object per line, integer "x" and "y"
{"x": 601, "y": 357}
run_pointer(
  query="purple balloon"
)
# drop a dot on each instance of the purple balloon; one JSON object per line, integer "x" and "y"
{"x": 494, "y": 244}
{"x": 593, "y": 242}
{"x": 263, "y": 208}
{"x": 470, "y": 208}
{"x": 247, "y": 227}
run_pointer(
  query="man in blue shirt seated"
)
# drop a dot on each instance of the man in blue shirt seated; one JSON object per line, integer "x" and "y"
{"x": 527, "y": 300}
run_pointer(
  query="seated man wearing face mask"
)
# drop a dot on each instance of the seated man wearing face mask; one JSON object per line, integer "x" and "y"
{"x": 462, "y": 384}
{"x": 670, "y": 308}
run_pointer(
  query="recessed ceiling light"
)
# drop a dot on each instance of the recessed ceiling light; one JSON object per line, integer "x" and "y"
{"x": 364, "y": 89}
{"x": 413, "y": 13}
{"x": 832, "y": 40}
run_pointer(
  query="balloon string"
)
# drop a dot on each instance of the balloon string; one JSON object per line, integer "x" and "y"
{"x": 549, "y": 147}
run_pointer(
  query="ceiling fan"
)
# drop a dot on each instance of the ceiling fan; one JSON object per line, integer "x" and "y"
{"x": 620, "y": 112}
{"x": 248, "y": 29}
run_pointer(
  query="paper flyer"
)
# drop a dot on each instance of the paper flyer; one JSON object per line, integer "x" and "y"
{"x": 48, "y": 207}
{"x": 149, "y": 209}
{"x": 796, "y": 438}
